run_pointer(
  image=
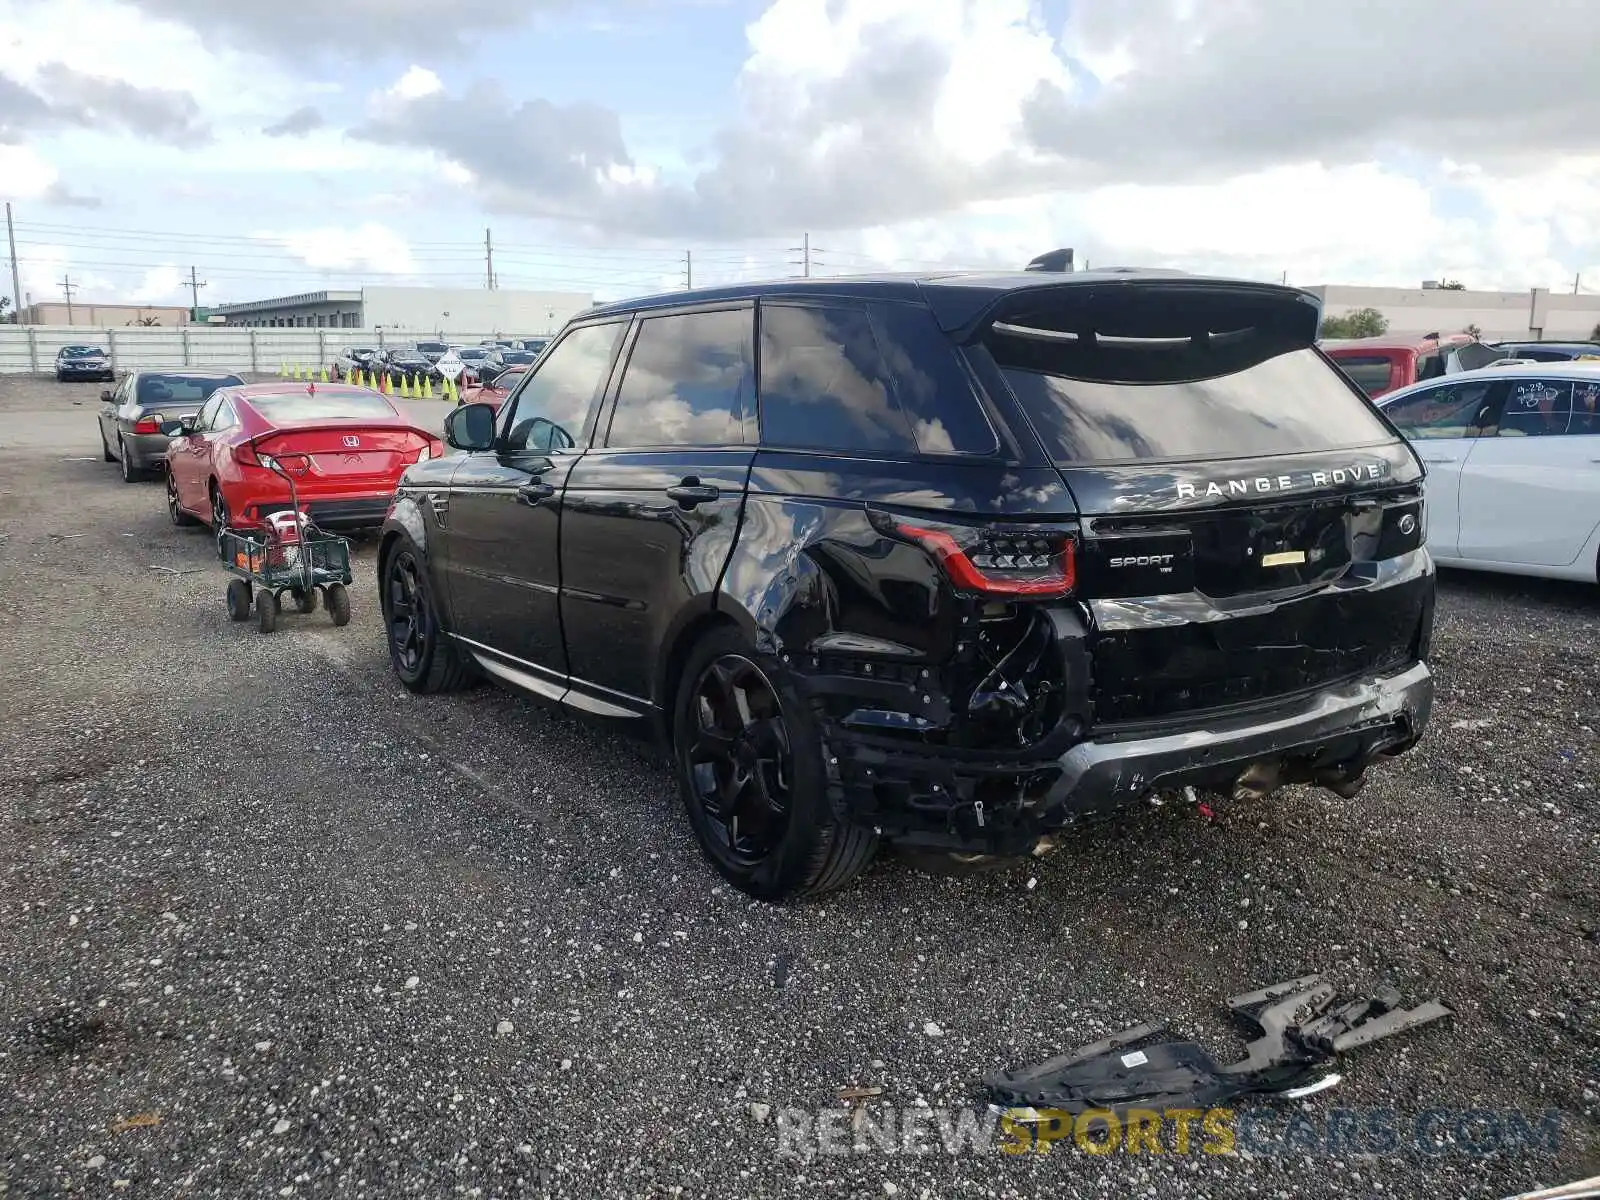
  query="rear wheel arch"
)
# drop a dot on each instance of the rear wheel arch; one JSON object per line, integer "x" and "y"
{"x": 676, "y": 656}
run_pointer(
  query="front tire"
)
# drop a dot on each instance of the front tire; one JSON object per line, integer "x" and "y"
{"x": 422, "y": 654}
{"x": 750, "y": 764}
{"x": 239, "y": 599}
{"x": 266, "y": 610}
{"x": 338, "y": 601}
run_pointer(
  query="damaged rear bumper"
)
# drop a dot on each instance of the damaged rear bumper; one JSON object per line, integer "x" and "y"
{"x": 973, "y": 803}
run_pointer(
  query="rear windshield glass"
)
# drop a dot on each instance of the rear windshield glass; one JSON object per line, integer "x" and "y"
{"x": 1371, "y": 374}
{"x": 179, "y": 389}
{"x": 338, "y": 407}
{"x": 432, "y": 347}
{"x": 1285, "y": 404}
{"x": 81, "y": 351}
{"x": 516, "y": 357}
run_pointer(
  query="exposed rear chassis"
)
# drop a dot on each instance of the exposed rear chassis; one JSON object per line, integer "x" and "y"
{"x": 964, "y": 801}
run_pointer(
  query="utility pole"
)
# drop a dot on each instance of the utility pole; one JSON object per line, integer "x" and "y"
{"x": 805, "y": 250}
{"x": 67, "y": 288}
{"x": 688, "y": 269}
{"x": 195, "y": 284}
{"x": 16, "y": 280}
{"x": 1576, "y": 279}
{"x": 488, "y": 259}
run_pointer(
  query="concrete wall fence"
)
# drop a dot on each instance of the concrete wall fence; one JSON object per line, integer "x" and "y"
{"x": 31, "y": 349}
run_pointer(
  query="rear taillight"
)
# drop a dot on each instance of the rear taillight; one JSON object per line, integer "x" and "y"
{"x": 149, "y": 423}
{"x": 245, "y": 454}
{"x": 995, "y": 559}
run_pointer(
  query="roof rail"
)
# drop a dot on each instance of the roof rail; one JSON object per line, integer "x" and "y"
{"x": 1054, "y": 260}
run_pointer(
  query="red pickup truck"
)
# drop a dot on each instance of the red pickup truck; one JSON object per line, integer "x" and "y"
{"x": 1382, "y": 364}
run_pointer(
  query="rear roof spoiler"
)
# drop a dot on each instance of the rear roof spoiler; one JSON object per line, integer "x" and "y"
{"x": 1053, "y": 260}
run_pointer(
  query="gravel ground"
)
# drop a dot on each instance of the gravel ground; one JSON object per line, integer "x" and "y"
{"x": 270, "y": 926}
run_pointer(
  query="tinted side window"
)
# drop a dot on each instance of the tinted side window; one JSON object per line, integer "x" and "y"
{"x": 1449, "y": 411}
{"x": 1543, "y": 408}
{"x": 1430, "y": 365}
{"x": 1370, "y": 372}
{"x": 824, "y": 385}
{"x": 549, "y": 410}
{"x": 208, "y": 414}
{"x": 686, "y": 381}
{"x": 946, "y": 416}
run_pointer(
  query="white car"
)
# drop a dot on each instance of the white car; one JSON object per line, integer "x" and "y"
{"x": 1513, "y": 458}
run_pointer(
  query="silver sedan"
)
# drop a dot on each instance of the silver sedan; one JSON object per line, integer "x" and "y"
{"x": 137, "y": 416}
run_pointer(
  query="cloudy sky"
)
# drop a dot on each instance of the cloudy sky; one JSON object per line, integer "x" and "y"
{"x": 284, "y": 147}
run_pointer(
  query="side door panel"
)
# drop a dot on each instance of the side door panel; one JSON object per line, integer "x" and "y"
{"x": 1443, "y": 424}
{"x": 191, "y": 467}
{"x": 1531, "y": 495}
{"x": 650, "y": 519}
{"x": 503, "y": 569}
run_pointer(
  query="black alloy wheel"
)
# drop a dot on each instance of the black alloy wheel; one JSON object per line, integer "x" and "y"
{"x": 750, "y": 760}
{"x": 174, "y": 508}
{"x": 424, "y": 658}
{"x": 740, "y": 766}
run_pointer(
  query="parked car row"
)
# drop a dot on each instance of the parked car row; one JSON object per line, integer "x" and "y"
{"x": 215, "y": 438}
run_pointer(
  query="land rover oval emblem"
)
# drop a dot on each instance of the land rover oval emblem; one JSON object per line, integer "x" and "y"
{"x": 1408, "y": 524}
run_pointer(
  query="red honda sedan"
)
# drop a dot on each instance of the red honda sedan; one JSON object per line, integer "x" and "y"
{"x": 493, "y": 394}
{"x": 345, "y": 447}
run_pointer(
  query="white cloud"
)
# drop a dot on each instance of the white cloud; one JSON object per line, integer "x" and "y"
{"x": 370, "y": 247}
{"x": 416, "y": 83}
{"x": 24, "y": 173}
{"x": 161, "y": 285}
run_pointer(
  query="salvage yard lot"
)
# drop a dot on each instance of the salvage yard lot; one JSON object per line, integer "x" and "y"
{"x": 295, "y": 906}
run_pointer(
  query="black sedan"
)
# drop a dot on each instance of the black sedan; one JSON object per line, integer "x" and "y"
{"x": 83, "y": 362}
{"x": 407, "y": 364}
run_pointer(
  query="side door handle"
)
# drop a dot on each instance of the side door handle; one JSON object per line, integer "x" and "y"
{"x": 691, "y": 492}
{"x": 532, "y": 493}
{"x": 1427, "y": 458}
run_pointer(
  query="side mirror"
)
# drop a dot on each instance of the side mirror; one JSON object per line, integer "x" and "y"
{"x": 173, "y": 428}
{"x": 185, "y": 426}
{"x": 105, "y": 395}
{"x": 470, "y": 427}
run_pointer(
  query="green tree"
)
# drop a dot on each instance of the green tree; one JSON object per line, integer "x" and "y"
{"x": 1594, "y": 334}
{"x": 5, "y": 303}
{"x": 1362, "y": 322}
{"x": 1452, "y": 285}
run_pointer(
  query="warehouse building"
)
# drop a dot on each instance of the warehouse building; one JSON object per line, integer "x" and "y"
{"x": 102, "y": 316}
{"x": 415, "y": 309}
{"x": 1534, "y": 314}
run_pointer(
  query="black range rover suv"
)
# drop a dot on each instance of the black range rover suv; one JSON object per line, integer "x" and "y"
{"x": 948, "y": 562}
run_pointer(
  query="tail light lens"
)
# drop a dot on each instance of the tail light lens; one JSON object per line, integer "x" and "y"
{"x": 149, "y": 423}
{"x": 993, "y": 559}
{"x": 245, "y": 454}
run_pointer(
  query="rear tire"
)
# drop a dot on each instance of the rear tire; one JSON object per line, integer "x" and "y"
{"x": 174, "y": 509}
{"x": 338, "y": 600}
{"x": 239, "y": 598}
{"x": 746, "y": 745}
{"x": 105, "y": 449}
{"x": 424, "y": 657}
{"x": 266, "y": 610}
{"x": 130, "y": 473}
